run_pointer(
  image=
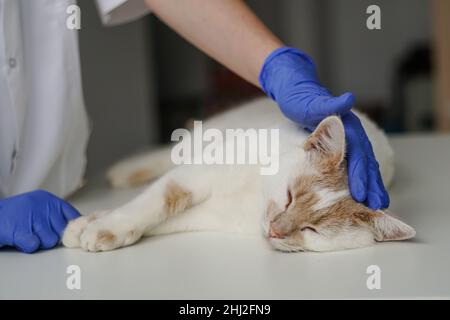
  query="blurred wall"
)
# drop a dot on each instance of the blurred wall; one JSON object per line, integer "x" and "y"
{"x": 118, "y": 85}
{"x": 303, "y": 24}
{"x": 363, "y": 60}
{"x": 348, "y": 55}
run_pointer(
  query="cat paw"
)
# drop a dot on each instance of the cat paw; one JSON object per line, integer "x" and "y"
{"x": 108, "y": 234}
{"x": 74, "y": 229}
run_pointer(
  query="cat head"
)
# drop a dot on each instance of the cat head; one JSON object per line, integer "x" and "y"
{"x": 318, "y": 213}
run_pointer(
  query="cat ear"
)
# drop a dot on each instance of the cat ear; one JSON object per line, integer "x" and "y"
{"x": 327, "y": 142}
{"x": 388, "y": 228}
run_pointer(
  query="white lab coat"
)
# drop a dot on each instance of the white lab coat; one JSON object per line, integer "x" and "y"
{"x": 43, "y": 123}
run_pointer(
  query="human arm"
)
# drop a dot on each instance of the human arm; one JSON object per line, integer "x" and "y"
{"x": 228, "y": 31}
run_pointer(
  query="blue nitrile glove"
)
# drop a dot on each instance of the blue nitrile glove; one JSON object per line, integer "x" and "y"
{"x": 34, "y": 220}
{"x": 289, "y": 77}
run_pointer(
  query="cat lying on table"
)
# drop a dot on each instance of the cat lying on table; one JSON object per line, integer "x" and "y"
{"x": 305, "y": 206}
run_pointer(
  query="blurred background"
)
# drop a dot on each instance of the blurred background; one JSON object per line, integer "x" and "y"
{"x": 141, "y": 80}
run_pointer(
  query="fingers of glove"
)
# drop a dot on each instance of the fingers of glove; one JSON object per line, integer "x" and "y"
{"x": 43, "y": 229}
{"x": 26, "y": 242}
{"x": 377, "y": 198}
{"x": 373, "y": 200}
{"x": 58, "y": 221}
{"x": 48, "y": 238}
{"x": 69, "y": 211}
{"x": 385, "y": 199}
{"x": 327, "y": 106}
{"x": 356, "y": 158}
{"x": 357, "y": 174}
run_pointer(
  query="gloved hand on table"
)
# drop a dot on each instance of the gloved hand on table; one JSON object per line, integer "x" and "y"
{"x": 289, "y": 77}
{"x": 34, "y": 220}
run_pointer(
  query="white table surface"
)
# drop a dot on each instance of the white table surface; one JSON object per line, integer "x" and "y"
{"x": 228, "y": 266}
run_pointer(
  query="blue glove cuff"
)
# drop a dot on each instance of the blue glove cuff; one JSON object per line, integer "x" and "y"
{"x": 283, "y": 64}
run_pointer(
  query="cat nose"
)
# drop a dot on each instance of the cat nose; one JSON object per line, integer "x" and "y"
{"x": 274, "y": 235}
{"x": 274, "y": 231}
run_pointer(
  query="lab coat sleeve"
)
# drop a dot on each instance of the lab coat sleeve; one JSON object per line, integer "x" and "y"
{"x": 114, "y": 12}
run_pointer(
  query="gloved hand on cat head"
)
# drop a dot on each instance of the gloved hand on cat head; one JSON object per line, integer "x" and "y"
{"x": 34, "y": 220}
{"x": 289, "y": 77}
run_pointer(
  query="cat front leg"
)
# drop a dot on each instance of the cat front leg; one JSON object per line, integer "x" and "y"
{"x": 181, "y": 188}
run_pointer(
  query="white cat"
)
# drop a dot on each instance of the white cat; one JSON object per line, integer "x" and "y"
{"x": 305, "y": 206}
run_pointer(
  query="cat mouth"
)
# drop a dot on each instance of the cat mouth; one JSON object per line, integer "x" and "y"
{"x": 283, "y": 245}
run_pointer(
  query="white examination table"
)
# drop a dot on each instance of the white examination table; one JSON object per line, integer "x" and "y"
{"x": 227, "y": 266}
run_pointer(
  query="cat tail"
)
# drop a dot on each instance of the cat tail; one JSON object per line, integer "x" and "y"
{"x": 141, "y": 168}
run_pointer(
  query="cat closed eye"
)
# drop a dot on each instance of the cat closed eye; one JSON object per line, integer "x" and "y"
{"x": 308, "y": 228}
